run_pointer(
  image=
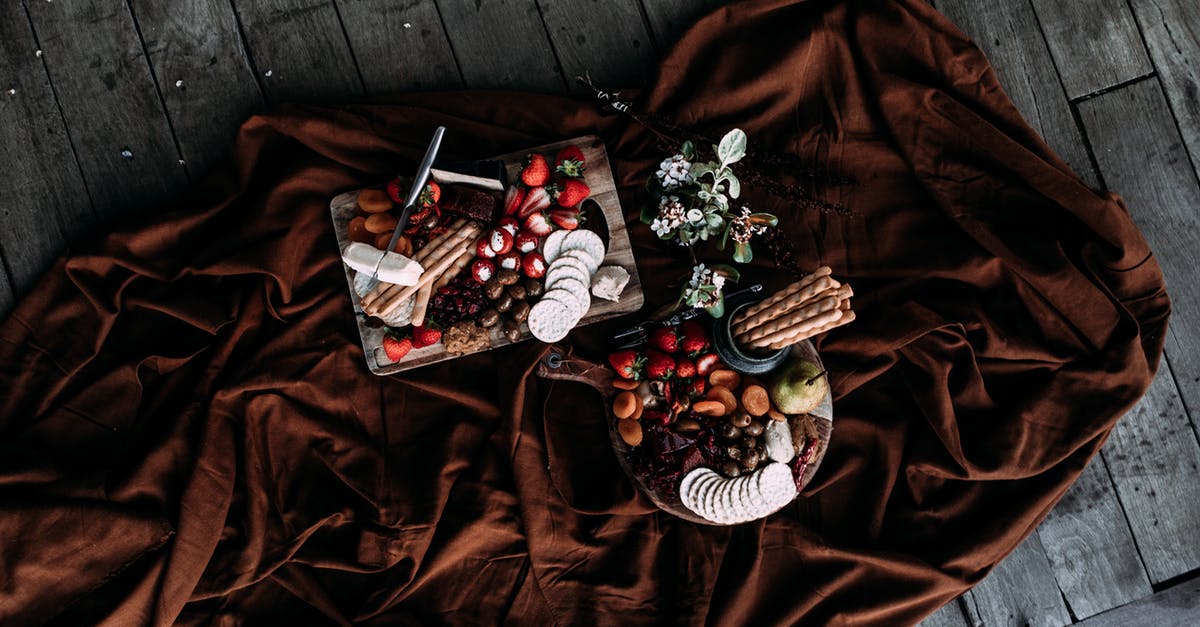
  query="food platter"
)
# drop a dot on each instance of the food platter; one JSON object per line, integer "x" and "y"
{"x": 602, "y": 214}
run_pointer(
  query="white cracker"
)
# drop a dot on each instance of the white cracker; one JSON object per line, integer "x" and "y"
{"x": 550, "y": 320}
{"x": 579, "y": 290}
{"x": 553, "y": 244}
{"x": 707, "y": 498}
{"x": 574, "y": 311}
{"x": 587, "y": 242}
{"x": 691, "y": 496}
{"x": 576, "y": 266}
{"x": 689, "y": 479}
{"x": 582, "y": 256}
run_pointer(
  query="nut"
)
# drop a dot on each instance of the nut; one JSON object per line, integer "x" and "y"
{"x": 493, "y": 289}
{"x": 489, "y": 317}
{"x": 504, "y": 303}
{"x": 511, "y": 330}
{"x": 508, "y": 277}
{"x": 517, "y": 291}
{"x": 520, "y": 311}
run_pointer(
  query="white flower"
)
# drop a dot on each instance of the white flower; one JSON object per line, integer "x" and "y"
{"x": 718, "y": 280}
{"x": 674, "y": 172}
{"x": 695, "y": 216}
{"x": 660, "y": 227}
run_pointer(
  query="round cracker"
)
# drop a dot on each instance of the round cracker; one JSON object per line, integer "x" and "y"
{"x": 588, "y": 242}
{"x": 575, "y": 310}
{"x": 550, "y": 320}
{"x": 569, "y": 266}
{"x": 582, "y": 256}
{"x": 579, "y": 291}
{"x": 553, "y": 244}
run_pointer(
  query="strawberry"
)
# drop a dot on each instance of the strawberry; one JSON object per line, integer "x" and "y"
{"x": 707, "y": 363}
{"x": 483, "y": 248}
{"x": 537, "y": 199}
{"x": 430, "y": 195}
{"x": 659, "y": 365}
{"x": 569, "y": 162}
{"x": 526, "y": 242}
{"x": 510, "y": 224}
{"x": 426, "y": 335}
{"x": 664, "y": 339}
{"x": 697, "y": 388}
{"x": 500, "y": 240}
{"x": 533, "y": 265}
{"x": 536, "y": 172}
{"x": 693, "y": 338}
{"x": 571, "y": 192}
{"x": 482, "y": 270}
{"x": 513, "y": 199}
{"x": 394, "y": 192}
{"x": 538, "y": 224}
{"x": 510, "y": 260}
{"x": 685, "y": 368}
{"x": 628, "y": 364}
{"x": 567, "y": 219}
{"x": 396, "y": 347}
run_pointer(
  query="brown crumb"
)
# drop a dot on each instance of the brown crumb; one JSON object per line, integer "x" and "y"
{"x": 465, "y": 337}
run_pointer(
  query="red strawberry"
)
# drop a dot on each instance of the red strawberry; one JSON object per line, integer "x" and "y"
{"x": 538, "y": 224}
{"x": 685, "y": 368}
{"x": 430, "y": 195}
{"x": 664, "y": 339}
{"x": 569, "y": 162}
{"x": 482, "y": 270}
{"x": 396, "y": 347}
{"x": 500, "y": 240}
{"x": 426, "y": 335}
{"x": 697, "y": 388}
{"x": 526, "y": 242}
{"x": 571, "y": 192}
{"x": 537, "y": 199}
{"x": 536, "y": 172}
{"x": 513, "y": 199}
{"x": 533, "y": 265}
{"x": 707, "y": 363}
{"x": 659, "y": 365}
{"x": 394, "y": 192}
{"x": 567, "y": 219}
{"x": 693, "y": 338}
{"x": 628, "y": 364}
{"x": 510, "y": 260}
{"x": 510, "y": 224}
{"x": 483, "y": 248}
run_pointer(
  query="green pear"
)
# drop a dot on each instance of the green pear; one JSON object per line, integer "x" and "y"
{"x": 798, "y": 386}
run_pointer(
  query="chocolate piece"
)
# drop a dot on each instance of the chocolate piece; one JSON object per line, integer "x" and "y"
{"x": 469, "y": 203}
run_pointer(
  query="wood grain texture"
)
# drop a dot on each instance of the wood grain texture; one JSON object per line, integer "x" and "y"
{"x": 502, "y": 44}
{"x": 1008, "y": 34}
{"x": 1140, "y": 155}
{"x": 604, "y": 194}
{"x": 400, "y": 46}
{"x": 43, "y": 201}
{"x": 1095, "y": 43}
{"x": 203, "y": 71}
{"x": 299, "y": 50}
{"x": 611, "y": 44}
{"x": 110, "y": 104}
{"x": 1090, "y": 547}
{"x": 950, "y": 615}
{"x": 1177, "y": 606}
{"x": 1155, "y": 469}
{"x": 1021, "y": 591}
{"x": 7, "y": 299}
{"x": 670, "y": 18}
{"x": 1171, "y": 29}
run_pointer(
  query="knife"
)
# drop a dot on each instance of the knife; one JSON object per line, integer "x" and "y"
{"x": 414, "y": 193}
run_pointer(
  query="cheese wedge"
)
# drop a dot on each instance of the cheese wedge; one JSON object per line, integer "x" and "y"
{"x": 396, "y": 268}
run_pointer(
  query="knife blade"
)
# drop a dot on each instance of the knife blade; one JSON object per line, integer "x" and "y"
{"x": 414, "y": 193}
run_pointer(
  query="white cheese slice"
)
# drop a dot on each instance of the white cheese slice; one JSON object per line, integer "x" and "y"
{"x": 608, "y": 282}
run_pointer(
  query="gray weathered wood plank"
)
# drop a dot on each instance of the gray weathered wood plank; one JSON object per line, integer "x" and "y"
{"x": 400, "y": 46}
{"x": 1141, "y": 156}
{"x": 299, "y": 50}
{"x": 670, "y": 18}
{"x": 43, "y": 201}
{"x": 1021, "y": 591}
{"x": 614, "y": 45}
{"x": 1095, "y": 43}
{"x": 1090, "y": 546}
{"x": 1156, "y": 472}
{"x": 1177, "y": 606}
{"x": 502, "y": 44}
{"x": 1008, "y": 34}
{"x": 1172, "y": 33}
{"x": 203, "y": 73}
{"x": 109, "y": 102}
{"x": 7, "y": 299}
{"x": 950, "y": 615}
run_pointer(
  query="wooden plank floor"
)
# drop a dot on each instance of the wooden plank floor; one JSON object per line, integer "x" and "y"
{"x": 108, "y": 107}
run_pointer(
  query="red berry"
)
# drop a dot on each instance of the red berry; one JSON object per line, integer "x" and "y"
{"x": 538, "y": 224}
{"x": 426, "y": 335}
{"x": 510, "y": 260}
{"x": 567, "y": 219}
{"x": 697, "y": 388}
{"x": 707, "y": 363}
{"x": 536, "y": 172}
{"x": 526, "y": 242}
{"x": 394, "y": 192}
{"x": 685, "y": 368}
{"x": 482, "y": 270}
{"x": 510, "y": 224}
{"x": 569, "y": 162}
{"x": 627, "y": 364}
{"x": 659, "y": 365}
{"x": 430, "y": 195}
{"x": 571, "y": 192}
{"x": 500, "y": 240}
{"x": 537, "y": 199}
{"x": 533, "y": 265}
{"x": 693, "y": 338}
{"x": 664, "y": 339}
{"x": 396, "y": 348}
{"x": 483, "y": 249}
{"x": 513, "y": 199}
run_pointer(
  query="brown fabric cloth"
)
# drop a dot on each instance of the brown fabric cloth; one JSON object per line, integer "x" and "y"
{"x": 188, "y": 433}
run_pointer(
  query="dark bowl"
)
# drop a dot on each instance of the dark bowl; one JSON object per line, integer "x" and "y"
{"x": 742, "y": 361}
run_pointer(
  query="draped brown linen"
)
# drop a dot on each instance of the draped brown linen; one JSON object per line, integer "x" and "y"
{"x": 189, "y": 434}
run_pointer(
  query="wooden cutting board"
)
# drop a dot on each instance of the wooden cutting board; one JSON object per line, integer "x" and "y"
{"x": 603, "y": 214}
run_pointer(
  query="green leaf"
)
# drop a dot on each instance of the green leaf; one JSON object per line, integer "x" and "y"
{"x": 700, "y": 169}
{"x": 714, "y": 221}
{"x": 717, "y": 309}
{"x": 742, "y": 252}
{"x": 724, "y": 240}
{"x": 733, "y": 147}
{"x": 688, "y": 150}
{"x": 735, "y": 187}
{"x": 731, "y": 273}
{"x": 764, "y": 219}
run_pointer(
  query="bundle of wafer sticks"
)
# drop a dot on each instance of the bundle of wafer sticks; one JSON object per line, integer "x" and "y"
{"x": 443, "y": 258}
{"x": 808, "y": 307}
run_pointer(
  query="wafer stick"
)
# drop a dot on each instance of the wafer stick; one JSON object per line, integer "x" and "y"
{"x": 461, "y": 264}
{"x": 425, "y": 293}
{"x": 385, "y": 308}
{"x": 794, "y": 333}
{"x": 795, "y": 317}
{"x": 383, "y": 288}
{"x": 847, "y": 317}
{"x": 797, "y": 299}
{"x": 432, "y": 251}
{"x": 784, "y": 293}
